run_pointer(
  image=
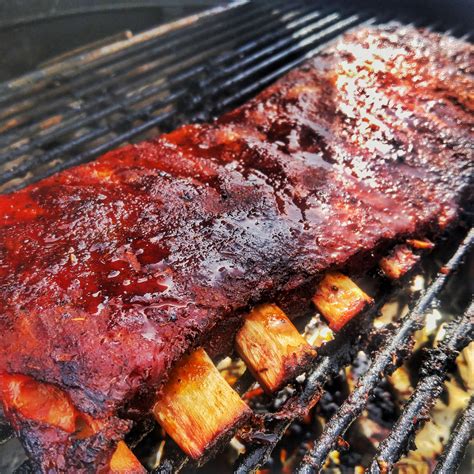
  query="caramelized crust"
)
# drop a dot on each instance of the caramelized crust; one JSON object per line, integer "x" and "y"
{"x": 111, "y": 271}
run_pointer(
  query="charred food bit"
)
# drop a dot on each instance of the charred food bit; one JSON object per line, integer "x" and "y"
{"x": 272, "y": 348}
{"x": 399, "y": 262}
{"x": 421, "y": 244}
{"x": 198, "y": 408}
{"x": 339, "y": 299}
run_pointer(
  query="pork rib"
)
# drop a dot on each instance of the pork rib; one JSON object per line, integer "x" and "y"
{"x": 111, "y": 271}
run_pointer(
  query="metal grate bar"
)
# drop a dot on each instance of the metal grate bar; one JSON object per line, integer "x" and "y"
{"x": 134, "y": 93}
{"x": 317, "y": 38}
{"x": 334, "y": 30}
{"x": 155, "y": 58}
{"x": 134, "y": 72}
{"x": 394, "y": 347}
{"x": 130, "y": 93}
{"x": 30, "y": 83}
{"x": 31, "y": 162}
{"x": 291, "y": 28}
{"x": 270, "y": 50}
{"x": 434, "y": 371}
{"x": 458, "y": 441}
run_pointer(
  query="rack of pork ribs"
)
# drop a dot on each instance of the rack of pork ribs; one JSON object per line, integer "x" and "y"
{"x": 121, "y": 280}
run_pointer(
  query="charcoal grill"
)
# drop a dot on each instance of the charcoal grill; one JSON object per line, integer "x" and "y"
{"x": 78, "y": 107}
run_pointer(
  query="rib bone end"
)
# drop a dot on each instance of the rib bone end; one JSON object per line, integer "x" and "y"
{"x": 123, "y": 461}
{"x": 399, "y": 262}
{"x": 46, "y": 404}
{"x": 273, "y": 349}
{"x": 38, "y": 401}
{"x": 423, "y": 244}
{"x": 197, "y": 407}
{"x": 339, "y": 299}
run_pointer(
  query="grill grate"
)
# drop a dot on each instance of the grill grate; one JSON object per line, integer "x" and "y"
{"x": 434, "y": 373}
{"x": 74, "y": 110}
{"x": 395, "y": 343}
{"x": 110, "y": 101}
{"x": 462, "y": 433}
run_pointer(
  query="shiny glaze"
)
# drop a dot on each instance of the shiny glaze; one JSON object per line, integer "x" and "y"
{"x": 110, "y": 271}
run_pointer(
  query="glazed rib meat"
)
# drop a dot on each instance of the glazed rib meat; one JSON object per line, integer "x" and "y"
{"x": 111, "y": 271}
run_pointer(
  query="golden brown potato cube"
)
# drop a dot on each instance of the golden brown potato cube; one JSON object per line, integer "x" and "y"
{"x": 339, "y": 299}
{"x": 272, "y": 348}
{"x": 197, "y": 406}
